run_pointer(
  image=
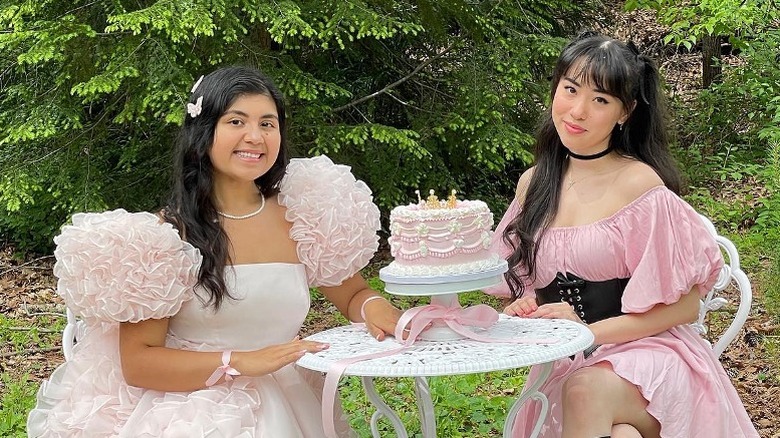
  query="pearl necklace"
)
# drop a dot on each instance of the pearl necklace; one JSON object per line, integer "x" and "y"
{"x": 248, "y": 215}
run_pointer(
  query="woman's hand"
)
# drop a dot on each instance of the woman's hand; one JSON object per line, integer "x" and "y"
{"x": 148, "y": 363}
{"x": 523, "y": 306}
{"x": 351, "y": 298}
{"x": 274, "y": 357}
{"x": 381, "y": 318}
{"x": 526, "y": 307}
{"x": 556, "y": 311}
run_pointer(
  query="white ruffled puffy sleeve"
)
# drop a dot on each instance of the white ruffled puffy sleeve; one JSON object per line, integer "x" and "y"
{"x": 334, "y": 219}
{"x": 124, "y": 267}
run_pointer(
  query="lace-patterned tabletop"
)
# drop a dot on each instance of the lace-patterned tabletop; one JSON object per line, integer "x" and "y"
{"x": 462, "y": 356}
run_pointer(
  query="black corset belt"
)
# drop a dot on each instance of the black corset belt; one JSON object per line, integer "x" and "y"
{"x": 592, "y": 300}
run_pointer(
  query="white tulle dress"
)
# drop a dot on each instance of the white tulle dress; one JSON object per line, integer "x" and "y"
{"x": 118, "y": 266}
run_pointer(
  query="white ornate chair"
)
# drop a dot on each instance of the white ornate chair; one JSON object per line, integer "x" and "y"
{"x": 730, "y": 274}
{"x": 73, "y": 330}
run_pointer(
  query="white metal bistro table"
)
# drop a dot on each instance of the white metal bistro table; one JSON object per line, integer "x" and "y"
{"x": 451, "y": 357}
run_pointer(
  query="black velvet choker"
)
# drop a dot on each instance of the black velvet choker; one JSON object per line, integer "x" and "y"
{"x": 589, "y": 157}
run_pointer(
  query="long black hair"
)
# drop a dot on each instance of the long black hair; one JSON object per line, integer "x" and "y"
{"x": 191, "y": 206}
{"x": 624, "y": 73}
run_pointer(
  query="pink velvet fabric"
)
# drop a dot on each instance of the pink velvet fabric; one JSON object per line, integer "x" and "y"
{"x": 660, "y": 242}
{"x": 118, "y": 266}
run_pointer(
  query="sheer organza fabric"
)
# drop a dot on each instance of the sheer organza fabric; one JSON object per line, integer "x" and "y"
{"x": 117, "y": 266}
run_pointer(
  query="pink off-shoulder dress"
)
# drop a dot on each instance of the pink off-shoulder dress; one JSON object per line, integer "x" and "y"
{"x": 658, "y": 241}
{"x": 118, "y": 266}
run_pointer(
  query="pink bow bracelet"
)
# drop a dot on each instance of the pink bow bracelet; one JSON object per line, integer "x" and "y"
{"x": 225, "y": 370}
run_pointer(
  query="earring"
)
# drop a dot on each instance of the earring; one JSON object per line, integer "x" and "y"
{"x": 620, "y": 126}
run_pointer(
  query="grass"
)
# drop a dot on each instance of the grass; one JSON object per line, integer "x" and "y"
{"x": 17, "y": 400}
{"x": 472, "y": 405}
{"x": 21, "y": 335}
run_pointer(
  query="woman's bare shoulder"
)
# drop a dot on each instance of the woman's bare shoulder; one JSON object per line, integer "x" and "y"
{"x": 635, "y": 179}
{"x": 522, "y": 184}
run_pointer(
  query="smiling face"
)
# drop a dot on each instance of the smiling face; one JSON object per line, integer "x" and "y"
{"x": 584, "y": 115}
{"x": 247, "y": 139}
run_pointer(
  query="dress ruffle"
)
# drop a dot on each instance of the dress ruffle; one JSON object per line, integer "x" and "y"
{"x": 118, "y": 266}
{"x": 124, "y": 267}
{"x": 334, "y": 219}
{"x": 86, "y": 396}
{"x": 247, "y": 407}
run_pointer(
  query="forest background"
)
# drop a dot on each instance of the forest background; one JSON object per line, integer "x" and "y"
{"x": 410, "y": 94}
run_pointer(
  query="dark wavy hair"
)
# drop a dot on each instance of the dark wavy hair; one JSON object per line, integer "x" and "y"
{"x": 632, "y": 78}
{"x": 191, "y": 206}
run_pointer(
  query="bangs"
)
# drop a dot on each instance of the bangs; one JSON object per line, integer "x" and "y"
{"x": 601, "y": 67}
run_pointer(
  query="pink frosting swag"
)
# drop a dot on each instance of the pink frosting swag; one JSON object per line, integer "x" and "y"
{"x": 334, "y": 219}
{"x": 149, "y": 264}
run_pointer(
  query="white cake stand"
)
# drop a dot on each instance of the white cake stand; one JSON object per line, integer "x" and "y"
{"x": 443, "y": 291}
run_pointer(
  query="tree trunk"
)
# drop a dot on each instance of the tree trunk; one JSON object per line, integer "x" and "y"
{"x": 711, "y": 69}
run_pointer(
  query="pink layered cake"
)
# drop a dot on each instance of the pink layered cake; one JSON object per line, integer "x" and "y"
{"x": 441, "y": 238}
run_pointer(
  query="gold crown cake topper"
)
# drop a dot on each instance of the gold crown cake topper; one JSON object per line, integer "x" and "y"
{"x": 433, "y": 202}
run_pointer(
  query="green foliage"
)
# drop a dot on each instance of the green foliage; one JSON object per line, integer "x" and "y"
{"x": 689, "y": 21}
{"x": 729, "y": 138}
{"x": 18, "y": 397}
{"x": 772, "y": 293}
{"x": 412, "y": 95}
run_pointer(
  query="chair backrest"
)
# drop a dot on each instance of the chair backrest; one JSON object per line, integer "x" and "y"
{"x": 730, "y": 274}
{"x": 73, "y": 330}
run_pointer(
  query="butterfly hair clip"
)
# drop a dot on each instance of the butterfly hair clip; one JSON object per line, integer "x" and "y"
{"x": 194, "y": 109}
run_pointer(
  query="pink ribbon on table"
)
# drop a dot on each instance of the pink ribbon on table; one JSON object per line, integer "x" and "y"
{"x": 416, "y": 320}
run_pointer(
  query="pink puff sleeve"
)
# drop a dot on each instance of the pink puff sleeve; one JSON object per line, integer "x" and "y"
{"x": 498, "y": 245}
{"x": 124, "y": 267}
{"x": 334, "y": 219}
{"x": 668, "y": 251}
